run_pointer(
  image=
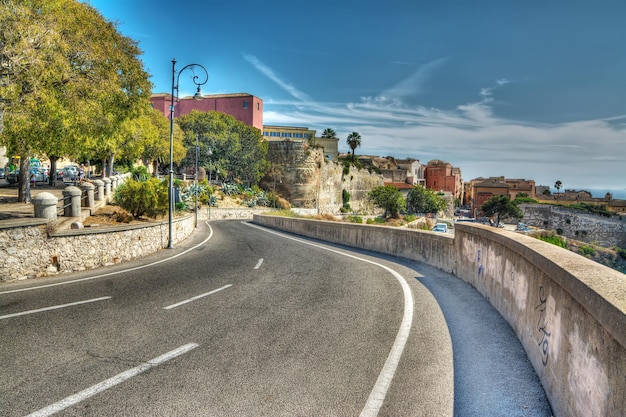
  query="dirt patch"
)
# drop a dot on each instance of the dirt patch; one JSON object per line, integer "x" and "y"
{"x": 111, "y": 215}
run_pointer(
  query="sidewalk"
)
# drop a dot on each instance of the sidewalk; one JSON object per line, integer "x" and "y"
{"x": 11, "y": 209}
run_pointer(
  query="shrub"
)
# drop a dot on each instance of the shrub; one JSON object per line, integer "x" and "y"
{"x": 140, "y": 173}
{"x": 355, "y": 219}
{"x": 587, "y": 251}
{"x": 141, "y": 198}
{"x": 553, "y": 239}
{"x": 231, "y": 189}
{"x": 621, "y": 252}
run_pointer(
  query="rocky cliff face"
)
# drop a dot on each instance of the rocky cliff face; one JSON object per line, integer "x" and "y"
{"x": 307, "y": 180}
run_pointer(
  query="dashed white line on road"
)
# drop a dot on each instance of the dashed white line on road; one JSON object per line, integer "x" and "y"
{"x": 111, "y": 382}
{"x": 39, "y": 310}
{"x": 258, "y": 264}
{"x": 196, "y": 297}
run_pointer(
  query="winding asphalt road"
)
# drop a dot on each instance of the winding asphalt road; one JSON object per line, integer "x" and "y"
{"x": 243, "y": 321}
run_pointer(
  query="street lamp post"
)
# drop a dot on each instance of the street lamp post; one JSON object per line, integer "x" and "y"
{"x": 210, "y": 154}
{"x": 195, "y": 180}
{"x": 197, "y": 96}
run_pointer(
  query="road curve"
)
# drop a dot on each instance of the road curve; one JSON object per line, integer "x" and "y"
{"x": 240, "y": 321}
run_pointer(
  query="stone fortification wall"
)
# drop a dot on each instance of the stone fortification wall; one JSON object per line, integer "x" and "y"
{"x": 297, "y": 171}
{"x": 568, "y": 312}
{"x": 577, "y": 225}
{"x": 28, "y": 251}
{"x": 308, "y": 180}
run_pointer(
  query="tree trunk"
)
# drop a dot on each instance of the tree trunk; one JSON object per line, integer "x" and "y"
{"x": 53, "y": 171}
{"x": 24, "y": 180}
{"x": 110, "y": 165}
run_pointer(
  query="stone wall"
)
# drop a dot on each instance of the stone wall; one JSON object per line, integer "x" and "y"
{"x": 308, "y": 180}
{"x": 568, "y": 312}
{"x": 28, "y": 251}
{"x": 576, "y": 224}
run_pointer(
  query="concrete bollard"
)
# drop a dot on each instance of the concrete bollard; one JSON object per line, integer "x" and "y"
{"x": 73, "y": 208}
{"x": 114, "y": 182}
{"x": 107, "y": 188}
{"x": 45, "y": 206}
{"x": 88, "y": 188}
{"x": 99, "y": 189}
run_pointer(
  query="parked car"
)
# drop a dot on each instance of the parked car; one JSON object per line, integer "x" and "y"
{"x": 71, "y": 173}
{"x": 441, "y": 227}
{"x": 14, "y": 176}
{"x": 2, "y": 173}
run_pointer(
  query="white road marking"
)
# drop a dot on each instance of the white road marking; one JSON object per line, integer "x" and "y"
{"x": 117, "y": 272}
{"x": 196, "y": 297}
{"x": 39, "y": 310}
{"x": 258, "y": 264}
{"x": 111, "y": 382}
{"x": 379, "y": 391}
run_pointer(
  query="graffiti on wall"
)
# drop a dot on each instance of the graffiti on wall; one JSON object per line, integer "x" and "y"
{"x": 542, "y": 326}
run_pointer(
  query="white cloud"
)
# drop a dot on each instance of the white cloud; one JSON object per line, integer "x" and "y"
{"x": 269, "y": 73}
{"x": 415, "y": 83}
{"x": 588, "y": 153}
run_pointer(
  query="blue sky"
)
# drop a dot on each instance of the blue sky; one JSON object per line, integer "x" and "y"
{"x": 525, "y": 89}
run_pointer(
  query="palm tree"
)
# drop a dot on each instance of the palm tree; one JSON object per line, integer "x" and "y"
{"x": 558, "y": 184}
{"x": 354, "y": 141}
{"x": 329, "y": 133}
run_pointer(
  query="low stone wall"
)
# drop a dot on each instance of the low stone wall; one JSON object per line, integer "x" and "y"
{"x": 568, "y": 312}
{"x": 27, "y": 251}
{"x": 215, "y": 213}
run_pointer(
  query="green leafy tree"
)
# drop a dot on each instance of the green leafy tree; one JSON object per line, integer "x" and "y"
{"x": 329, "y": 133}
{"x": 422, "y": 200}
{"x": 69, "y": 80}
{"x": 501, "y": 206}
{"x": 558, "y": 186}
{"x": 389, "y": 199}
{"x": 238, "y": 151}
{"x": 354, "y": 141}
{"x": 156, "y": 141}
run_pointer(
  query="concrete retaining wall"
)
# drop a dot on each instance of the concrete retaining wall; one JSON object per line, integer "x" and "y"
{"x": 568, "y": 312}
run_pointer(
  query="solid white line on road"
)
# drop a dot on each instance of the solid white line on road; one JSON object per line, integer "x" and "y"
{"x": 111, "y": 382}
{"x": 258, "y": 264}
{"x": 379, "y": 391}
{"x": 196, "y": 297}
{"x": 123, "y": 271}
{"x": 39, "y": 310}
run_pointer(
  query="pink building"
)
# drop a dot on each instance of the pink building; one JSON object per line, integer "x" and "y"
{"x": 244, "y": 107}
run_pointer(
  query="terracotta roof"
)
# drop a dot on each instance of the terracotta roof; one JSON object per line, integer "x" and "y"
{"x": 400, "y": 185}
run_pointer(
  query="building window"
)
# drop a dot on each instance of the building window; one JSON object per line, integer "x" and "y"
{"x": 245, "y": 104}
{"x": 274, "y": 134}
{"x": 297, "y": 135}
{"x": 258, "y": 106}
{"x": 286, "y": 134}
{"x": 265, "y": 134}
{"x": 307, "y": 136}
